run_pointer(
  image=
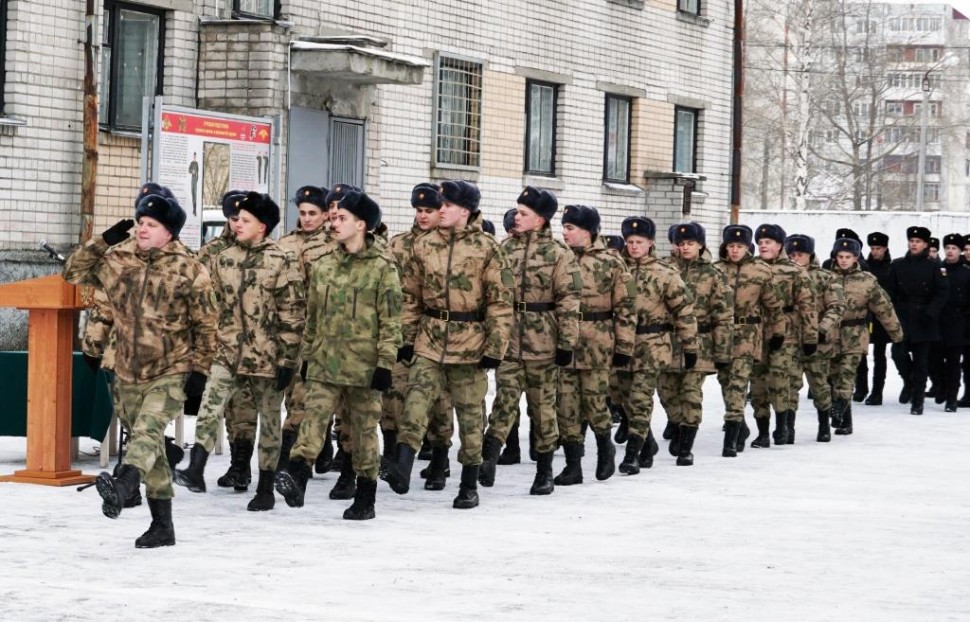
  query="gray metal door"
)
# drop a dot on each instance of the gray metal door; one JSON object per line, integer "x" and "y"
{"x": 307, "y": 155}
{"x": 347, "y": 151}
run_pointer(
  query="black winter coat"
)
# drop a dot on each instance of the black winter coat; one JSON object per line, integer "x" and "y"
{"x": 953, "y": 318}
{"x": 918, "y": 288}
{"x": 880, "y": 270}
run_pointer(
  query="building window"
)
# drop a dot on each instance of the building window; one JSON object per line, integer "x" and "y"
{"x": 616, "y": 160}
{"x": 685, "y": 140}
{"x": 266, "y": 9}
{"x": 928, "y": 55}
{"x": 540, "y": 128}
{"x": 3, "y": 53}
{"x": 931, "y": 192}
{"x": 131, "y": 62}
{"x": 934, "y": 165}
{"x": 689, "y": 6}
{"x": 458, "y": 112}
{"x": 895, "y": 109}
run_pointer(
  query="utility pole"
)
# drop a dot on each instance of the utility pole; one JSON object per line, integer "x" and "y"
{"x": 736, "y": 127}
{"x": 89, "y": 170}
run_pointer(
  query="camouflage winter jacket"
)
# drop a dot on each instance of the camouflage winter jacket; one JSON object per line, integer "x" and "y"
{"x": 295, "y": 241}
{"x": 830, "y": 302}
{"x": 546, "y": 296}
{"x": 207, "y": 254}
{"x": 862, "y": 296}
{"x": 713, "y": 309}
{"x": 757, "y": 310}
{"x": 608, "y": 289}
{"x": 97, "y": 328}
{"x": 457, "y": 271}
{"x": 797, "y": 297}
{"x": 353, "y": 316}
{"x": 401, "y": 245}
{"x": 261, "y": 308}
{"x": 314, "y": 247}
{"x": 161, "y": 302}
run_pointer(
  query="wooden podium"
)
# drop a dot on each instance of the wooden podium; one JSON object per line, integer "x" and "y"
{"x": 51, "y": 302}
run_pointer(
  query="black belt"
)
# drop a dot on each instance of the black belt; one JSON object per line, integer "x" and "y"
{"x": 856, "y": 322}
{"x": 704, "y": 328}
{"x": 788, "y": 309}
{"x": 652, "y": 329}
{"x": 751, "y": 319}
{"x": 455, "y": 316}
{"x": 595, "y": 316}
{"x": 535, "y": 307}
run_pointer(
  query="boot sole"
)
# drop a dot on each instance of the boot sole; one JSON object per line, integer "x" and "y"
{"x": 629, "y": 469}
{"x": 154, "y": 545}
{"x": 342, "y": 495}
{"x": 113, "y": 503}
{"x": 287, "y": 487}
{"x": 365, "y": 516}
{"x": 181, "y": 480}
{"x": 540, "y": 492}
{"x": 434, "y": 485}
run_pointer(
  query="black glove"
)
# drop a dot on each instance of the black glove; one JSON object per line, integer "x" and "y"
{"x": 303, "y": 370}
{"x": 822, "y": 338}
{"x": 808, "y": 349}
{"x": 488, "y": 362}
{"x": 405, "y": 353}
{"x": 118, "y": 232}
{"x": 722, "y": 365}
{"x": 621, "y": 360}
{"x": 195, "y": 384}
{"x": 690, "y": 359}
{"x": 775, "y": 343}
{"x": 563, "y": 357}
{"x": 93, "y": 362}
{"x": 381, "y": 381}
{"x": 283, "y": 377}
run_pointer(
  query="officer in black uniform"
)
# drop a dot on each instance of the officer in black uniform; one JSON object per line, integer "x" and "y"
{"x": 953, "y": 320}
{"x": 935, "y": 249}
{"x": 918, "y": 288}
{"x": 964, "y": 401}
{"x": 936, "y": 348}
{"x": 878, "y": 265}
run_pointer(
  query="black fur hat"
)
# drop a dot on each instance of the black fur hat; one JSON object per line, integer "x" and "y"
{"x": 921, "y": 233}
{"x": 935, "y": 243}
{"x": 583, "y": 216}
{"x": 877, "y": 238}
{"x": 488, "y": 226}
{"x": 688, "y": 231}
{"x": 363, "y": 207}
{"x": 338, "y": 191}
{"x": 426, "y": 195}
{"x": 772, "y": 232}
{"x": 508, "y": 221}
{"x": 737, "y": 233}
{"x": 638, "y": 225}
{"x": 311, "y": 194}
{"x": 153, "y": 188}
{"x": 540, "y": 201}
{"x": 463, "y": 193}
{"x": 953, "y": 239}
{"x": 165, "y": 210}
{"x": 800, "y": 243}
{"x": 263, "y": 208}
{"x": 847, "y": 233}
{"x": 848, "y": 245}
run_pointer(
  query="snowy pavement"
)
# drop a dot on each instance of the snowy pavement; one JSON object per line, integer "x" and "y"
{"x": 874, "y": 526}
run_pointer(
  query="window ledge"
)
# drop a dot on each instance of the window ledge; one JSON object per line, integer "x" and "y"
{"x": 457, "y": 172}
{"x": 690, "y": 18}
{"x": 550, "y": 183}
{"x": 123, "y": 133}
{"x": 629, "y": 190}
{"x": 633, "y": 4}
{"x": 13, "y": 121}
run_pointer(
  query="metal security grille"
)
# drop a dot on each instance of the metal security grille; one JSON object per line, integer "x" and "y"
{"x": 262, "y": 8}
{"x": 458, "y": 120}
{"x": 347, "y": 152}
{"x": 3, "y": 51}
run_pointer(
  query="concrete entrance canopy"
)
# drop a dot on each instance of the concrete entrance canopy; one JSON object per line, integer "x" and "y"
{"x": 353, "y": 64}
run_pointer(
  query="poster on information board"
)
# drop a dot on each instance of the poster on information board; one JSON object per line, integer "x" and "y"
{"x": 200, "y": 155}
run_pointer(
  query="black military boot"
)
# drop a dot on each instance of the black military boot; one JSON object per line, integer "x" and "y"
{"x": 875, "y": 397}
{"x": 573, "y": 471}
{"x": 623, "y": 428}
{"x": 193, "y": 476}
{"x": 287, "y": 440}
{"x": 838, "y": 412}
{"x": 669, "y": 430}
{"x": 906, "y": 394}
{"x": 916, "y": 408}
{"x": 780, "y": 435}
{"x": 762, "y": 439}
{"x": 744, "y": 432}
{"x": 390, "y": 442}
{"x": 631, "y": 460}
{"x": 731, "y": 429}
{"x": 468, "y": 490}
{"x": 239, "y": 474}
{"x": 134, "y": 500}
{"x": 116, "y": 490}
{"x": 426, "y": 471}
{"x": 264, "y": 499}
{"x": 791, "y": 427}
{"x": 291, "y": 482}
{"x": 363, "y": 505}
{"x": 328, "y": 460}
{"x": 674, "y": 447}
{"x": 845, "y": 427}
{"x": 399, "y": 470}
{"x": 861, "y": 384}
{"x": 824, "y": 431}
{"x": 543, "y": 484}
{"x": 605, "y": 456}
{"x": 346, "y": 486}
{"x": 649, "y": 450}
{"x": 160, "y": 532}
{"x": 951, "y": 405}
{"x": 687, "y": 436}
{"x": 490, "y": 456}
{"x": 425, "y": 453}
{"x": 435, "y": 479}
{"x": 533, "y": 452}
{"x": 173, "y": 453}
{"x": 512, "y": 454}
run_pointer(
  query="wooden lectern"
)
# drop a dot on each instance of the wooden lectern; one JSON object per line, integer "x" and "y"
{"x": 51, "y": 302}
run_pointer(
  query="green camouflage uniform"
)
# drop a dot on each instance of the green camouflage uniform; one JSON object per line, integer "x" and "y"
{"x": 775, "y": 378}
{"x": 546, "y": 275}
{"x": 584, "y": 385}
{"x": 680, "y": 390}
{"x": 261, "y": 316}
{"x": 353, "y": 327}
{"x": 830, "y": 300}
{"x": 755, "y": 302}
{"x": 461, "y": 270}
{"x": 862, "y": 295}
{"x": 163, "y": 306}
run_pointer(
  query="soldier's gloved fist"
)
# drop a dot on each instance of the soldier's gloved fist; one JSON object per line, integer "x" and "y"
{"x": 722, "y": 365}
{"x": 93, "y": 362}
{"x": 283, "y": 377}
{"x": 808, "y": 349}
{"x": 381, "y": 381}
{"x": 405, "y": 353}
{"x": 488, "y": 362}
{"x": 195, "y": 384}
{"x": 303, "y": 370}
{"x": 118, "y": 232}
{"x": 690, "y": 359}
{"x": 563, "y": 357}
{"x": 775, "y": 343}
{"x": 621, "y": 360}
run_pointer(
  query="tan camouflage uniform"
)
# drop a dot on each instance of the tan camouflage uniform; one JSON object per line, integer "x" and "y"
{"x": 830, "y": 298}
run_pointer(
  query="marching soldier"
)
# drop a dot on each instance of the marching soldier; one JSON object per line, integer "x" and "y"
{"x": 863, "y": 296}
{"x": 457, "y": 316}
{"x": 964, "y": 401}
{"x": 953, "y": 319}
{"x": 162, "y": 302}
{"x": 757, "y": 312}
{"x": 679, "y": 388}
{"x": 606, "y": 331}
{"x": 544, "y": 331}
{"x": 934, "y": 249}
{"x": 877, "y": 263}
{"x": 830, "y": 302}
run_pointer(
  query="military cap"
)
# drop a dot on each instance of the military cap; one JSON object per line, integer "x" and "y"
{"x": 540, "y": 201}
{"x": 165, "y": 210}
{"x": 966, "y": 241}
{"x": 638, "y": 225}
{"x": 921, "y": 233}
{"x": 311, "y": 194}
{"x": 935, "y": 243}
{"x": 772, "y": 232}
{"x": 670, "y": 233}
{"x": 230, "y": 203}
{"x": 877, "y": 238}
{"x": 847, "y": 233}
{"x": 263, "y": 208}
{"x": 339, "y": 191}
{"x": 488, "y": 226}
{"x": 582, "y": 216}
{"x": 800, "y": 243}
{"x": 953, "y": 239}
{"x": 615, "y": 242}
{"x": 462, "y": 193}
{"x": 686, "y": 231}
{"x": 847, "y": 245}
{"x": 426, "y": 195}
{"x": 737, "y": 233}
{"x": 363, "y": 207}
{"x": 153, "y": 188}
{"x": 508, "y": 221}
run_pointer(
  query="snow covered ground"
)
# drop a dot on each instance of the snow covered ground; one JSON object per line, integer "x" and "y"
{"x": 875, "y": 526}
